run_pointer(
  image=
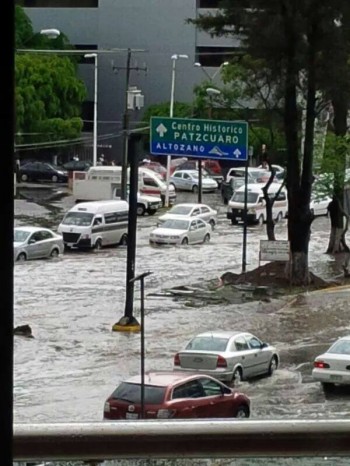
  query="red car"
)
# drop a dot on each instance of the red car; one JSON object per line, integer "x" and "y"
{"x": 176, "y": 395}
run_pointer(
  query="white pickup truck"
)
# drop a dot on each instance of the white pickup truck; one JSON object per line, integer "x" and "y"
{"x": 95, "y": 188}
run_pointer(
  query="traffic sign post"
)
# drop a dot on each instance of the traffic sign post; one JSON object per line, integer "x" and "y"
{"x": 210, "y": 139}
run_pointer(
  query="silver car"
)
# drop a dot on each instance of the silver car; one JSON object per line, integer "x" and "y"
{"x": 333, "y": 366}
{"x": 36, "y": 243}
{"x": 181, "y": 231}
{"x": 187, "y": 180}
{"x": 227, "y": 356}
{"x": 189, "y": 210}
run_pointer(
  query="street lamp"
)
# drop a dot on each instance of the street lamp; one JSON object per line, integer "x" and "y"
{"x": 141, "y": 279}
{"x": 94, "y": 56}
{"x": 174, "y": 58}
{"x": 211, "y": 78}
{"x": 50, "y": 33}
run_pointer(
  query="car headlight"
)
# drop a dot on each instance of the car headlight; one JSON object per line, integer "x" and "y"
{"x": 174, "y": 237}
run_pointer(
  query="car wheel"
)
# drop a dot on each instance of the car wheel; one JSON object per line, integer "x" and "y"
{"x": 98, "y": 244}
{"x": 54, "y": 178}
{"x": 279, "y": 217}
{"x": 54, "y": 253}
{"x": 151, "y": 212}
{"x": 124, "y": 240}
{"x": 24, "y": 177}
{"x": 195, "y": 189}
{"x": 328, "y": 387}
{"x": 206, "y": 238}
{"x": 141, "y": 209}
{"x": 273, "y": 365}
{"x": 237, "y": 376}
{"x": 242, "y": 412}
{"x": 212, "y": 223}
{"x": 21, "y": 257}
{"x": 261, "y": 220}
{"x": 184, "y": 241}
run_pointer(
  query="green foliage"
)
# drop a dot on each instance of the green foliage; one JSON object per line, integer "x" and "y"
{"x": 48, "y": 96}
{"x": 181, "y": 110}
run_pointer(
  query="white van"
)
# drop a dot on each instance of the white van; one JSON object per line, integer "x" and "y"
{"x": 95, "y": 224}
{"x": 256, "y": 205}
{"x": 106, "y": 181}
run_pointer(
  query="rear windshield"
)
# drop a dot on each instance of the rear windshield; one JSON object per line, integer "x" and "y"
{"x": 78, "y": 218}
{"x": 340, "y": 347}
{"x": 180, "y": 210}
{"x": 207, "y": 344}
{"x": 251, "y": 198}
{"x": 131, "y": 392}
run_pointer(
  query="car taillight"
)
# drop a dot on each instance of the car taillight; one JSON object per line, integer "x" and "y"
{"x": 107, "y": 407}
{"x": 321, "y": 365}
{"x": 165, "y": 413}
{"x": 221, "y": 362}
{"x": 177, "y": 360}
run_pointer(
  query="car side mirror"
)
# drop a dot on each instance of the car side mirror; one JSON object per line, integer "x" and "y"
{"x": 264, "y": 345}
{"x": 31, "y": 241}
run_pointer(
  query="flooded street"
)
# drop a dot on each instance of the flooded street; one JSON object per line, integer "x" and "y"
{"x": 66, "y": 372}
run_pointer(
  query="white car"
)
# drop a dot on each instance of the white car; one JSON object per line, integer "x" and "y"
{"x": 319, "y": 206}
{"x": 36, "y": 243}
{"x": 189, "y": 210}
{"x": 333, "y": 366}
{"x": 187, "y": 180}
{"x": 181, "y": 231}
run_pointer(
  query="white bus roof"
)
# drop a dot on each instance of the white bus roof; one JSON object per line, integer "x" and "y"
{"x": 95, "y": 207}
{"x": 257, "y": 187}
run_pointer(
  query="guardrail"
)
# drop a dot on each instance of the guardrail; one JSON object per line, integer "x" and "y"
{"x": 181, "y": 438}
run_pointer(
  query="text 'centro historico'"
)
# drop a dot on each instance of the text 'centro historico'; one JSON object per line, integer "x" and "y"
{"x": 199, "y": 138}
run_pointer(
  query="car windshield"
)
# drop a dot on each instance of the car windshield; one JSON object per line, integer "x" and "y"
{"x": 208, "y": 344}
{"x": 340, "y": 347}
{"x": 20, "y": 236}
{"x": 257, "y": 174}
{"x": 239, "y": 197}
{"x": 78, "y": 218}
{"x": 131, "y": 392}
{"x": 176, "y": 224}
{"x": 180, "y": 210}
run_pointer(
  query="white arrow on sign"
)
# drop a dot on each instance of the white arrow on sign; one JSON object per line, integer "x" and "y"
{"x": 161, "y": 130}
{"x": 237, "y": 153}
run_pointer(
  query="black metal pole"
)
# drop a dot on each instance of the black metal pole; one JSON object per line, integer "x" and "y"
{"x": 124, "y": 180}
{"x": 131, "y": 249}
{"x": 244, "y": 251}
{"x": 199, "y": 181}
{"x": 7, "y": 35}
{"x": 142, "y": 312}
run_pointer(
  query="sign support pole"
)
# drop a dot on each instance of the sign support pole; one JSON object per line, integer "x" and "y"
{"x": 244, "y": 245}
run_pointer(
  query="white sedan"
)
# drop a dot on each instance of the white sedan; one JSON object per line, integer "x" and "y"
{"x": 319, "y": 206}
{"x": 189, "y": 210}
{"x": 333, "y": 366}
{"x": 181, "y": 231}
{"x": 187, "y": 180}
{"x": 36, "y": 243}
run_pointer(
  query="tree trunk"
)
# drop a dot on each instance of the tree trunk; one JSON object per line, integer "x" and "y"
{"x": 337, "y": 242}
{"x": 270, "y": 223}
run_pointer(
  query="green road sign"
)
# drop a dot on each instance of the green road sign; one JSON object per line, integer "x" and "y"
{"x": 214, "y": 139}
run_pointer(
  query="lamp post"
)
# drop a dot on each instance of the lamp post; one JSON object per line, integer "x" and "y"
{"x": 213, "y": 76}
{"x": 94, "y": 56}
{"x": 141, "y": 279}
{"x": 50, "y": 33}
{"x": 174, "y": 58}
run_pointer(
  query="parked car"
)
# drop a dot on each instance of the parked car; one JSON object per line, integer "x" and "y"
{"x": 319, "y": 206}
{"x": 210, "y": 168}
{"x": 36, "y": 243}
{"x": 255, "y": 175}
{"x": 228, "y": 188}
{"x": 189, "y": 210}
{"x": 187, "y": 180}
{"x": 227, "y": 356}
{"x": 42, "y": 171}
{"x": 77, "y": 165}
{"x": 333, "y": 366}
{"x": 175, "y": 395}
{"x": 181, "y": 231}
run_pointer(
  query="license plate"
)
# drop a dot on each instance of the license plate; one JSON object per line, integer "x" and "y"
{"x": 131, "y": 416}
{"x": 336, "y": 378}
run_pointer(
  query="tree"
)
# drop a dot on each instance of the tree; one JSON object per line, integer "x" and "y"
{"x": 288, "y": 36}
{"x": 48, "y": 95}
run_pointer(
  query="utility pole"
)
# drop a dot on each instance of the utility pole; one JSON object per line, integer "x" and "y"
{"x": 128, "y": 68}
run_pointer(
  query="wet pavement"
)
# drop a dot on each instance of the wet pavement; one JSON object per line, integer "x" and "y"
{"x": 67, "y": 371}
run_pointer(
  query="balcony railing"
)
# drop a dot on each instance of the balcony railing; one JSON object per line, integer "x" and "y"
{"x": 181, "y": 438}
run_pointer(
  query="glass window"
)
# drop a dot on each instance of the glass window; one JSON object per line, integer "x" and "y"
{"x": 205, "y": 210}
{"x": 210, "y": 387}
{"x": 37, "y": 236}
{"x": 20, "y": 236}
{"x": 194, "y": 225}
{"x": 78, "y": 218}
{"x": 239, "y": 197}
{"x": 176, "y": 224}
{"x": 340, "y": 347}
{"x": 240, "y": 344}
{"x": 208, "y": 344}
{"x": 180, "y": 210}
{"x": 192, "y": 389}
{"x": 131, "y": 392}
{"x": 150, "y": 182}
{"x": 200, "y": 224}
{"x": 177, "y": 175}
{"x": 254, "y": 343}
{"x": 195, "y": 212}
{"x": 46, "y": 235}
{"x": 186, "y": 176}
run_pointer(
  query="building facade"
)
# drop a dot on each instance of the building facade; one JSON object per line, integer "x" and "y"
{"x": 154, "y": 30}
